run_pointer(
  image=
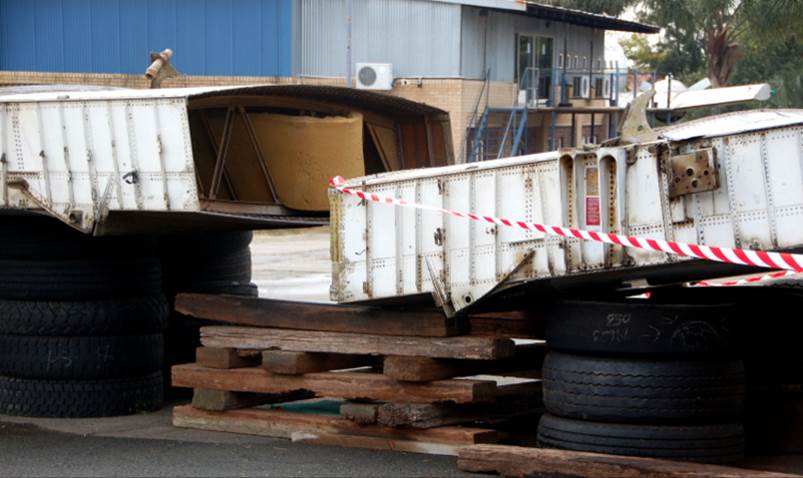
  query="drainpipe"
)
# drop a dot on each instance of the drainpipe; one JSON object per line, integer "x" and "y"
{"x": 591, "y": 63}
{"x": 668, "y": 98}
{"x": 349, "y": 11}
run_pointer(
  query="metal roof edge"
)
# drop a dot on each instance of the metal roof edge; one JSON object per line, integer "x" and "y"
{"x": 557, "y": 13}
{"x": 580, "y": 17}
{"x": 514, "y": 5}
{"x": 338, "y": 94}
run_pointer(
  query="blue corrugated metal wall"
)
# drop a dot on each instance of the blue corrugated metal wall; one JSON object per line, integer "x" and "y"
{"x": 209, "y": 37}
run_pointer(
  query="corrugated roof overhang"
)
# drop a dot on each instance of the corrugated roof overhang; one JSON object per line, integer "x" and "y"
{"x": 560, "y": 14}
{"x": 586, "y": 19}
{"x": 361, "y": 99}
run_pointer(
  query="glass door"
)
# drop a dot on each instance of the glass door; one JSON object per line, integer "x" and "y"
{"x": 543, "y": 61}
{"x": 534, "y": 57}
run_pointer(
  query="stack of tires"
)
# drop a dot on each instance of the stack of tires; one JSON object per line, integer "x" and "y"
{"x": 81, "y": 322}
{"x": 656, "y": 378}
{"x": 209, "y": 262}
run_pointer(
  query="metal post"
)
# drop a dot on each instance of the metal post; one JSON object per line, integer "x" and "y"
{"x": 553, "y": 118}
{"x": 669, "y": 98}
{"x": 349, "y": 11}
{"x": 591, "y": 63}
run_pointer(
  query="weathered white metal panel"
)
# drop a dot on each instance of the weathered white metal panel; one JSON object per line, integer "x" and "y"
{"x": 757, "y": 205}
{"x": 80, "y": 155}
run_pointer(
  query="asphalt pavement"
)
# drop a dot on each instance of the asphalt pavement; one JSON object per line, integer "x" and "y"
{"x": 148, "y": 446}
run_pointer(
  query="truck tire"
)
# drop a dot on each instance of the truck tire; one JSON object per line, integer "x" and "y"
{"x": 200, "y": 262}
{"x": 723, "y": 443}
{"x": 641, "y": 390}
{"x": 643, "y": 328}
{"x": 199, "y": 242}
{"x": 79, "y": 358}
{"x": 79, "y": 279}
{"x": 80, "y": 398}
{"x": 43, "y": 237}
{"x": 245, "y": 289}
{"x": 231, "y": 266}
{"x": 127, "y": 316}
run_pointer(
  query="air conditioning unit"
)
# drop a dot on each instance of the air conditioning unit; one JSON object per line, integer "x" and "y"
{"x": 585, "y": 88}
{"x": 374, "y": 76}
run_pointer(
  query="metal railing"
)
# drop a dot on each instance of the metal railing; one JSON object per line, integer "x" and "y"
{"x": 541, "y": 86}
{"x": 484, "y": 91}
{"x": 537, "y": 88}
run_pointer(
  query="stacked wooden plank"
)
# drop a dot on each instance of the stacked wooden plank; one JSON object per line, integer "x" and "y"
{"x": 398, "y": 379}
{"x": 517, "y": 461}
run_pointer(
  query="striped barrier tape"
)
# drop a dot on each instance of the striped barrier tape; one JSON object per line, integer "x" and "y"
{"x": 746, "y": 257}
{"x": 746, "y": 280}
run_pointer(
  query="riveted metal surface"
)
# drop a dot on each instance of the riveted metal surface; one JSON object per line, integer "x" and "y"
{"x": 552, "y": 188}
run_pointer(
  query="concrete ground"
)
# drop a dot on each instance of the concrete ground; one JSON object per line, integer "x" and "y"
{"x": 292, "y": 264}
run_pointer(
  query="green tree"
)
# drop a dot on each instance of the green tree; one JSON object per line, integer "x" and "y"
{"x": 613, "y": 8}
{"x": 773, "y": 49}
{"x": 713, "y": 36}
{"x": 699, "y": 35}
{"x": 644, "y": 57}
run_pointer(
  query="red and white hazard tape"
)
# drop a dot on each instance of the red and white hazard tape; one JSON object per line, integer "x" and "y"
{"x": 747, "y": 280}
{"x": 771, "y": 260}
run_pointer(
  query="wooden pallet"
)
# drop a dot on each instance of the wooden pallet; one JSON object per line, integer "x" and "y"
{"x": 376, "y": 411}
{"x": 404, "y": 380}
{"x": 331, "y": 430}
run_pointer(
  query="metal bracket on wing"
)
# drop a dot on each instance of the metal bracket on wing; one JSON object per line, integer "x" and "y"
{"x": 73, "y": 218}
{"x": 634, "y": 127}
{"x": 474, "y": 294}
{"x": 439, "y": 291}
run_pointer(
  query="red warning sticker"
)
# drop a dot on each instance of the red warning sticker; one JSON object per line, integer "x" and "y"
{"x": 592, "y": 211}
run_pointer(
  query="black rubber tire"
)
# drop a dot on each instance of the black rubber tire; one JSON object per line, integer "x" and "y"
{"x": 233, "y": 266}
{"x": 80, "y": 398}
{"x": 138, "y": 315}
{"x": 43, "y": 237}
{"x": 641, "y": 390}
{"x": 246, "y": 289}
{"x": 644, "y": 328}
{"x": 206, "y": 241}
{"x": 79, "y": 358}
{"x": 722, "y": 443}
{"x": 203, "y": 261}
{"x": 79, "y": 279}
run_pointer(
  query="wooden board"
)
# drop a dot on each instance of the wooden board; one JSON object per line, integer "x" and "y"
{"x": 377, "y": 443}
{"x": 284, "y": 314}
{"x": 224, "y": 358}
{"x": 424, "y": 369}
{"x": 330, "y": 430}
{"x": 430, "y": 415}
{"x": 295, "y": 363}
{"x": 520, "y": 324}
{"x": 361, "y": 413}
{"x": 223, "y": 400}
{"x": 348, "y": 385}
{"x": 519, "y": 462}
{"x": 481, "y": 348}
